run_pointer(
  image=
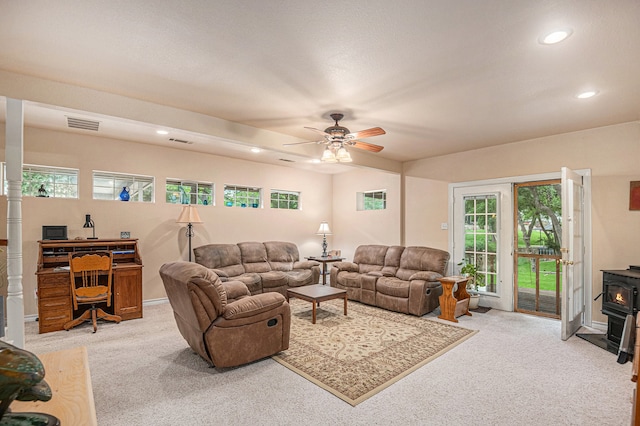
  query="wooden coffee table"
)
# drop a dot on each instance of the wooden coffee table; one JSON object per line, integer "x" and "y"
{"x": 317, "y": 293}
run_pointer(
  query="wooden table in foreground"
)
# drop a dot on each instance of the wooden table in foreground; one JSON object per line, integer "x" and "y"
{"x": 317, "y": 293}
{"x": 454, "y": 304}
{"x": 67, "y": 373}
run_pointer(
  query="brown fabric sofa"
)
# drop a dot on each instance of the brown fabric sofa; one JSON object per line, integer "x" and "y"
{"x": 401, "y": 279}
{"x": 221, "y": 321}
{"x": 262, "y": 267}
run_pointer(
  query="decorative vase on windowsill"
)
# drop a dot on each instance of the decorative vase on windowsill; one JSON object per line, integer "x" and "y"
{"x": 124, "y": 195}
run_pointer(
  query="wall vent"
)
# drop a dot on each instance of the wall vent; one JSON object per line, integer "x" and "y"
{"x": 286, "y": 160}
{"x": 81, "y": 123}
{"x": 180, "y": 141}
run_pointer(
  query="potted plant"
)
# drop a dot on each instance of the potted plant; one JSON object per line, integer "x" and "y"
{"x": 475, "y": 280}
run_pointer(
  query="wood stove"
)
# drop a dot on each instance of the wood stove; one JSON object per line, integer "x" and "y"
{"x": 620, "y": 297}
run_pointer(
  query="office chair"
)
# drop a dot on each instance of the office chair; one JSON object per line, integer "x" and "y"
{"x": 89, "y": 272}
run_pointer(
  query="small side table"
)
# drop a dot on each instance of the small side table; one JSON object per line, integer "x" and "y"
{"x": 324, "y": 260}
{"x": 449, "y": 300}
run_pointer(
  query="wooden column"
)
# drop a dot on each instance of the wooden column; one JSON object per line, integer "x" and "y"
{"x": 13, "y": 158}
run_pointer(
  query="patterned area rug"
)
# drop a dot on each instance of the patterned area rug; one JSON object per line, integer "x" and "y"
{"x": 358, "y": 355}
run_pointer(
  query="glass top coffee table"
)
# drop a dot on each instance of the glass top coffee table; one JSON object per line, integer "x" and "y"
{"x": 317, "y": 293}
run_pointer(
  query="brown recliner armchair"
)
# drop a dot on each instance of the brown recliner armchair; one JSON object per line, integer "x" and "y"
{"x": 222, "y": 322}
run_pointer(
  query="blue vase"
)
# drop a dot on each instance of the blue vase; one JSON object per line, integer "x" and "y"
{"x": 124, "y": 195}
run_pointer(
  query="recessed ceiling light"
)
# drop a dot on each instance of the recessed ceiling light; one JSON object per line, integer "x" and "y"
{"x": 315, "y": 160}
{"x": 586, "y": 95}
{"x": 256, "y": 150}
{"x": 555, "y": 37}
{"x": 162, "y": 132}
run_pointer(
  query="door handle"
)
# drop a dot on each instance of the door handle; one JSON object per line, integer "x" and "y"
{"x": 567, "y": 262}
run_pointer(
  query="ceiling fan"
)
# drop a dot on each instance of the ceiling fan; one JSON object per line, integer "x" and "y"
{"x": 337, "y": 137}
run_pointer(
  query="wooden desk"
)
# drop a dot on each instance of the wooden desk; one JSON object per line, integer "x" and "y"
{"x": 67, "y": 373}
{"x": 54, "y": 288}
{"x": 454, "y": 304}
{"x": 324, "y": 260}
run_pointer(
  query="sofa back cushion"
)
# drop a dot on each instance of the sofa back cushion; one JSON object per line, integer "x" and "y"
{"x": 415, "y": 259}
{"x": 392, "y": 260}
{"x": 281, "y": 255}
{"x": 224, "y": 257}
{"x": 254, "y": 257}
{"x": 370, "y": 258}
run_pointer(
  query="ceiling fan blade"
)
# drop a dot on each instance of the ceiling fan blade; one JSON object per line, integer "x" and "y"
{"x": 374, "y": 131}
{"x": 367, "y": 146}
{"x": 322, "y": 132}
{"x": 301, "y": 143}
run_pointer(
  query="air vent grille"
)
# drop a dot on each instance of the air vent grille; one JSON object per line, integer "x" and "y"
{"x": 81, "y": 123}
{"x": 180, "y": 141}
{"x": 286, "y": 160}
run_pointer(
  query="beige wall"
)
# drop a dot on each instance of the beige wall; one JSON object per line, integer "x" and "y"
{"x": 352, "y": 228}
{"x": 161, "y": 238}
{"x": 612, "y": 153}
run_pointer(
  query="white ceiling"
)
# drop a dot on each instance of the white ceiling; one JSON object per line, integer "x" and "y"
{"x": 440, "y": 76}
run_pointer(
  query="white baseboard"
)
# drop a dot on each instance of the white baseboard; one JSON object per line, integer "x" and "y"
{"x": 600, "y": 326}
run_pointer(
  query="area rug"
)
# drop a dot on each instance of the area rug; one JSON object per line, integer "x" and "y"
{"x": 358, "y": 355}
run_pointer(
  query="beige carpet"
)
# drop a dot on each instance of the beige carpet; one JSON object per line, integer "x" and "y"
{"x": 358, "y": 355}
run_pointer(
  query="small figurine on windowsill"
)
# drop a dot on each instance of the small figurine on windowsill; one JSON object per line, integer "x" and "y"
{"x": 42, "y": 192}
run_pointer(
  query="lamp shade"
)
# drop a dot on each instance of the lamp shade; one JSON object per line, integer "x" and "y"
{"x": 189, "y": 214}
{"x": 324, "y": 229}
{"x": 343, "y": 155}
{"x": 328, "y": 156}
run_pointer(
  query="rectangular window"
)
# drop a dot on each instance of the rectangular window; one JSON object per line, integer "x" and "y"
{"x": 371, "y": 200}
{"x": 46, "y": 181}
{"x": 189, "y": 192}
{"x": 481, "y": 238}
{"x": 110, "y": 186}
{"x": 285, "y": 199}
{"x": 242, "y": 196}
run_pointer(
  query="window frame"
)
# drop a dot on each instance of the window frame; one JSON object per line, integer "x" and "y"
{"x": 233, "y": 201}
{"x": 51, "y": 171}
{"x": 362, "y": 204}
{"x": 136, "y": 195}
{"x": 194, "y": 196}
{"x": 287, "y": 201}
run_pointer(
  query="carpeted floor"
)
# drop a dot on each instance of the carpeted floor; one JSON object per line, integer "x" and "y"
{"x": 515, "y": 371}
{"x": 358, "y": 355}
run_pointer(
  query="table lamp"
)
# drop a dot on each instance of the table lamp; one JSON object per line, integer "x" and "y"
{"x": 88, "y": 223}
{"x": 324, "y": 230}
{"x": 189, "y": 215}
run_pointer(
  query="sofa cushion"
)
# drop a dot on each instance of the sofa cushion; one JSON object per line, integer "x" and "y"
{"x": 252, "y": 281}
{"x": 281, "y": 255}
{"x": 223, "y": 257}
{"x": 349, "y": 279}
{"x": 300, "y": 277}
{"x": 416, "y": 259}
{"x": 370, "y": 258}
{"x": 254, "y": 257}
{"x": 393, "y": 286}
{"x": 273, "y": 279}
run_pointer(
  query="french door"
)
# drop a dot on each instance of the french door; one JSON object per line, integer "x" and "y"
{"x": 482, "y": 230}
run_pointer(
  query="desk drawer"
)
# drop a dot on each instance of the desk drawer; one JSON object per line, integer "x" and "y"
{"x": 53, "y": 313}
{"x": 53, "y": 286}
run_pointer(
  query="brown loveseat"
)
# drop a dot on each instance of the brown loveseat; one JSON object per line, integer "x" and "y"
{"x": 221, "y": 321}
{"x": 262, "y": 267}
{"x": 393, "y": 277}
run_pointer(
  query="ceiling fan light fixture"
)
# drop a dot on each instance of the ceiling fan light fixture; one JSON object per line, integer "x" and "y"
{"x": 343, "y": 155}
{"x": 328, "y": 156}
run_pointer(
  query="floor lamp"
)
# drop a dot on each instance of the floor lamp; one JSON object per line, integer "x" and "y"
{"x": 189, "y": 215}
{"x": 324, "y": 230}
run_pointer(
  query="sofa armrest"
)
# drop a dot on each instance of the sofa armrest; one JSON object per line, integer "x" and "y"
{"x": 346, "y": 266}
{"x": 305, "y": 264}
{"x": 253, "y": 305}
{"x": 426, "y": 276}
